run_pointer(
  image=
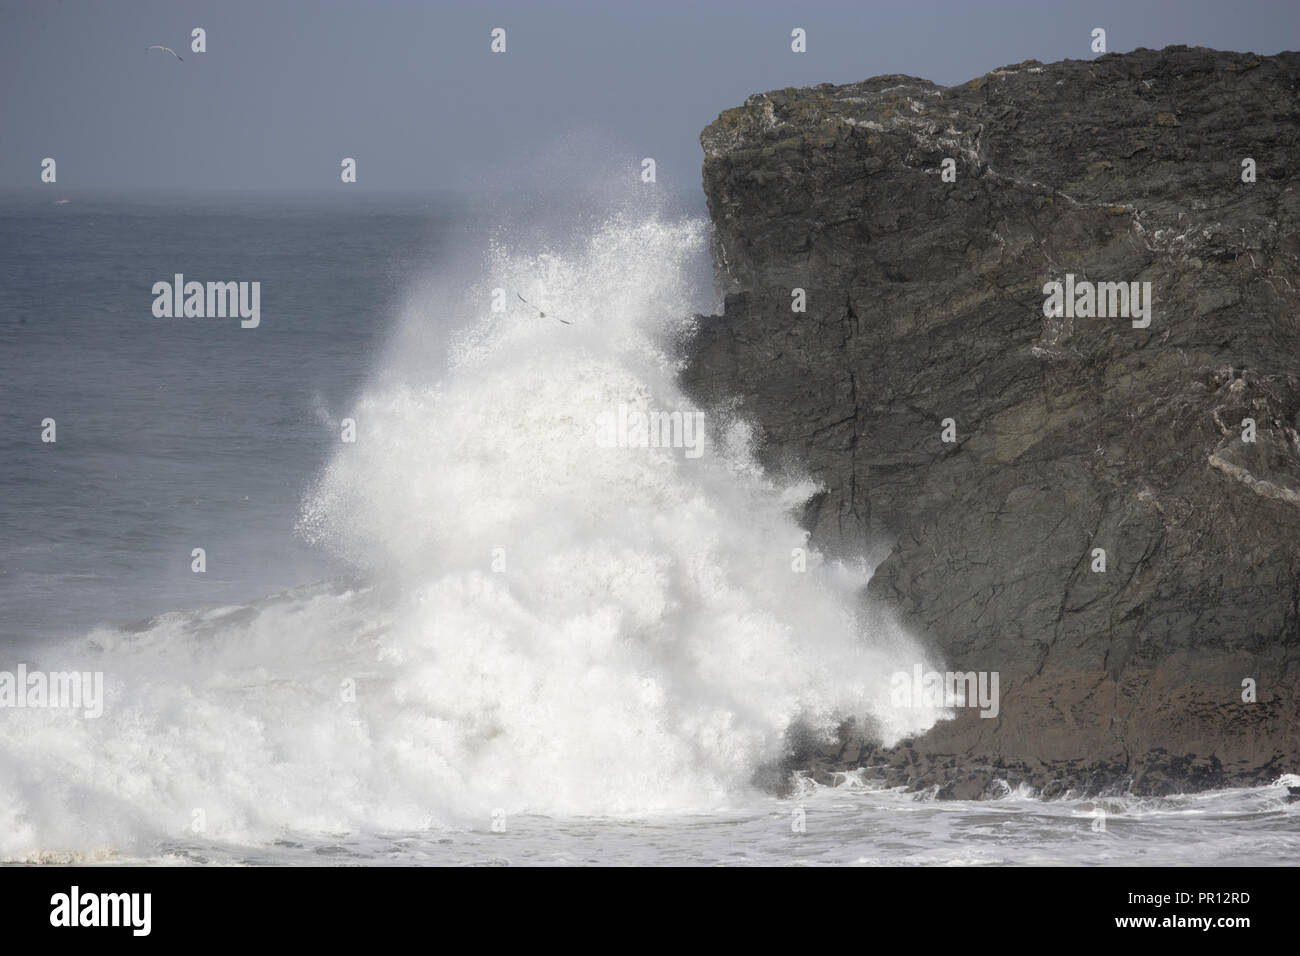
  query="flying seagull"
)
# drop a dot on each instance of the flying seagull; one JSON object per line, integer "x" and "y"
{"x": 540, "y": 312}
{"x": 166, "y": 49}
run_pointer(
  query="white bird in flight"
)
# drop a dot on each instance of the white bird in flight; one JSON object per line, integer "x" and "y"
{"x": 166, "y": 49}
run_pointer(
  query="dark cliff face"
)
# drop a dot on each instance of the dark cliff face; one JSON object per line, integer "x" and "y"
{"x": 925, "y": 302}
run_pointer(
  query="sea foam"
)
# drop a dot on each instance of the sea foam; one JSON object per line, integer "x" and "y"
{"x": 537, "y": 622}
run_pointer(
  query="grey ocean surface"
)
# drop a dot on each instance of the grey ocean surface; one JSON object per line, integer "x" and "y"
{"x": 175, "y": 434}
{"x": 845, "y": 825}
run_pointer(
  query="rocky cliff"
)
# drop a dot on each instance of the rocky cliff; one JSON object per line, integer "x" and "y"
{"x": 1070, "y": 434}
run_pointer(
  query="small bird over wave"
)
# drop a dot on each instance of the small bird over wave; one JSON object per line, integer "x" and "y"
{"x": 540, "y": 312}
{"x": 166, "y": 49}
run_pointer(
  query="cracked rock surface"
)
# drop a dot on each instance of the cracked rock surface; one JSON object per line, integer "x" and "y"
{"x": 925, "y": 302}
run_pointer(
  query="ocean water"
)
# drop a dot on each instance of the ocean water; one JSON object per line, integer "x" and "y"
{"x": 490, "y": 629}
{"x": 174, "y": 434}
{"x": 850, "y": 824}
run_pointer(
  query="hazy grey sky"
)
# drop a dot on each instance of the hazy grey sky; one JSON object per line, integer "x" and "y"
{"x": 286, "y": 89}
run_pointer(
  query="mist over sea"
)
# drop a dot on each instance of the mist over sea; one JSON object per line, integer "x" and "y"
{"x": 180, "y": 433}
{"x": 476, "y": 634}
